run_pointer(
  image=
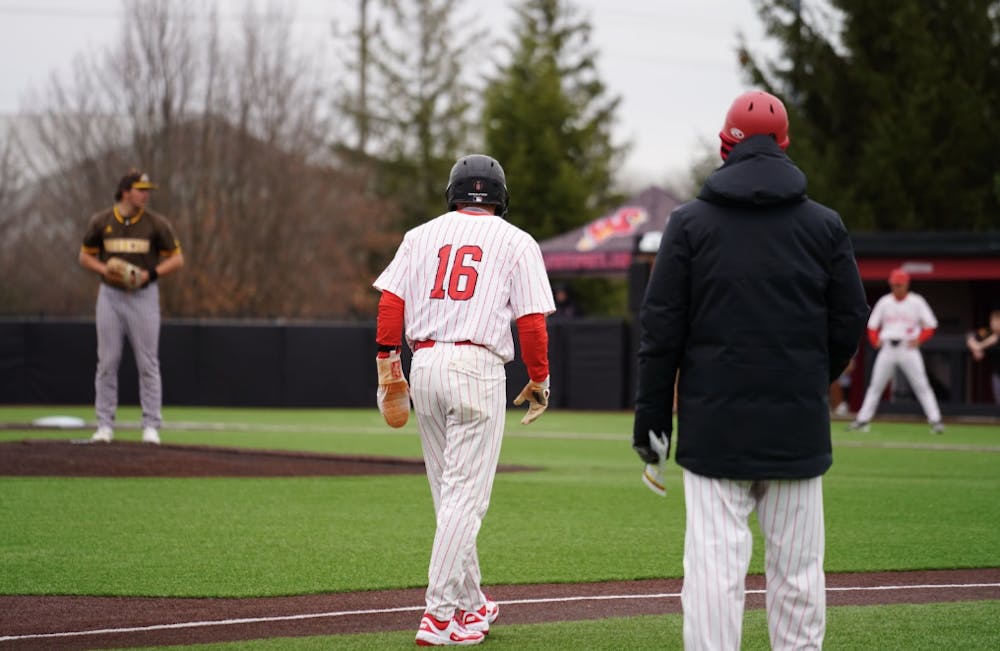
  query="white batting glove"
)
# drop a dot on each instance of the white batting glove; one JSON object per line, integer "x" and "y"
{"x": 537, "y": 395}
{"x": 652, "y": 475}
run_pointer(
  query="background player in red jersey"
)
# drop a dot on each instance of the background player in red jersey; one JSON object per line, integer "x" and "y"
{"x": 455, "y": 283}
{"x": 145, "y": 239}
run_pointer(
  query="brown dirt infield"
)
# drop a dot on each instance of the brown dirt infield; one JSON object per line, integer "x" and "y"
{"x": 71, "y": 622}
{"x": 81, "y": 458}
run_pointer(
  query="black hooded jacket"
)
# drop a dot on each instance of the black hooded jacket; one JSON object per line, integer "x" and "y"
{"x": 755, "y": 297}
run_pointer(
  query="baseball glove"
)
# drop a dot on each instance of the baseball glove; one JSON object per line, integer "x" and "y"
{"x": 124, "y": 274}
{"x": 393, "y": 395}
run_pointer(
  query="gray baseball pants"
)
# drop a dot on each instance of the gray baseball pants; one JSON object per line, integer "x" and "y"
{"x": 136, "y": 315}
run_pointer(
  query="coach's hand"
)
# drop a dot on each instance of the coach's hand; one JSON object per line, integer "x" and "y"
{"x": 652, "y": 444}
{"x": 537, "y": 395}
{"x": 393, "y": 395}
{"x": 653, "y": 448}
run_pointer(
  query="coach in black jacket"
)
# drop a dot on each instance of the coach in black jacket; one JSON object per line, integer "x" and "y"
{"x": 755, "y": 298}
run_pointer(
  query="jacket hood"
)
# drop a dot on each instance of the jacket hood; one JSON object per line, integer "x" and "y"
{"x": 756, "y": 173}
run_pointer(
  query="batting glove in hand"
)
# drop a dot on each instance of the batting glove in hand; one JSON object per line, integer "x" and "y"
{"x": 393, "y": 395}
{"x": 655, "y": 456}
{"x": 537, "y": 395}
{"x": 651, "y": 443}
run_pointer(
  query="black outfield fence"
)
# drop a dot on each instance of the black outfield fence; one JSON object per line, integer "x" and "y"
{"x": 277, "y": 364}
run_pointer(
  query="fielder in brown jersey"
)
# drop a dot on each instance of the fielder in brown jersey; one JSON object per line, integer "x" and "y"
{"x": 145, "y": 239}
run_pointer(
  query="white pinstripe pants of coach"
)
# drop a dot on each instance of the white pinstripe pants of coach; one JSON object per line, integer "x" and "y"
{"x": 459, "y": 396}
{"x": 136, "y": 315}
{"x": 717, "y": 549}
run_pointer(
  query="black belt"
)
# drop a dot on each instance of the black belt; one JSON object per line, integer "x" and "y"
{"x": 123, "y": 289}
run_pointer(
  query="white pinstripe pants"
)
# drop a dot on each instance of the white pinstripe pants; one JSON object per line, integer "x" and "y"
{"x": 135, "y": 315}
{"x": 717, "y": 549}
{"x": 459, "y": 396}
{"x": 911, "y": 362}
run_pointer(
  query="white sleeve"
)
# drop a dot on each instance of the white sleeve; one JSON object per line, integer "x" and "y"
{"x": 530, "y": 291}
{"x": 927, "y": 318}
{"x": 875, "y": 318}
{"x": 394, "y": 278}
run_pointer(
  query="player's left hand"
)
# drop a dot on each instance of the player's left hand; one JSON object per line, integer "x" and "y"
{"x": 537, "y": 395}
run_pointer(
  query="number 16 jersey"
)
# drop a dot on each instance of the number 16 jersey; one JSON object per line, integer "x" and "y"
{"x": 463, "y": 276}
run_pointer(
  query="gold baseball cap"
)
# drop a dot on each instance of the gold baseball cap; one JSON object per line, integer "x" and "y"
{"x": 143, "y": 183}
{"x": 135, "y": 181}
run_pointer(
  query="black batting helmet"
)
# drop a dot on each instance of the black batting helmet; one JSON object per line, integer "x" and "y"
{"x": 477, "y": 179}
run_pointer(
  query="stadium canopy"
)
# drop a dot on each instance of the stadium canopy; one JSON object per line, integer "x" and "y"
{"x": 608, "y": 245}
{"x": 631, "y": 233}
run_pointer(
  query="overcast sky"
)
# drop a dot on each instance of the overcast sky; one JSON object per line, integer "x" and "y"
{"x": 671, "y": 61}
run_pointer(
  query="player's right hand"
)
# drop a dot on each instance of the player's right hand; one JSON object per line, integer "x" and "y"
{"x": 113, "y": 275}
{"x": 393, "y": 395}
{"x": 655, "y": 449}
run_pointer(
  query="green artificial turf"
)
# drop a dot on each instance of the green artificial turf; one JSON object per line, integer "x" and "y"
{"x": 585, "y": 516}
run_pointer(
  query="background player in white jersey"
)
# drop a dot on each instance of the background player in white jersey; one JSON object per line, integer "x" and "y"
{"x": 756, "y": 298}
{"x": 899, "y": 323}
{"x": 456, "y": 283}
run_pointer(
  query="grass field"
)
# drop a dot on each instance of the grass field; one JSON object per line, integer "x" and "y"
{"x": 896, "y": 498}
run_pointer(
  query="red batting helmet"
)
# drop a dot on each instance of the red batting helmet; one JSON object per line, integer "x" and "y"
{"x": 754, "y": 113}
{"x": 899, "y": 277}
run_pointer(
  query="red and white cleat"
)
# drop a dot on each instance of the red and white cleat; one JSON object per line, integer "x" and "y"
{"x": 479, "y": 620}
{"x": 434, "y": 632}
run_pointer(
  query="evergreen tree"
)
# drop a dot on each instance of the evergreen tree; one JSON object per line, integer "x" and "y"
{"x": 894, "y": 107}
{"x": 548, "y": 118}
{"x": 420, "y": 102}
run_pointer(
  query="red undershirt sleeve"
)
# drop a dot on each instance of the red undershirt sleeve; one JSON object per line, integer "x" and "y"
{"x": 873, "y": 336}
{"x": 925, "y": 334}
{"x": 534, "y": 338}
{"x": 389, "y": 323}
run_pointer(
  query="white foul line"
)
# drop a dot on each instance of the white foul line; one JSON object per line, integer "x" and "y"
{"x": 382, "y": 611}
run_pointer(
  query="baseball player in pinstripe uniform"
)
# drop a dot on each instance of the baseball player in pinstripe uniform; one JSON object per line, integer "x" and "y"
{"x": 144, "y": 242}
{"x": 456, "y": 282}
{"x": 755, "y": 297}
{"x": 900, "y": 321}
